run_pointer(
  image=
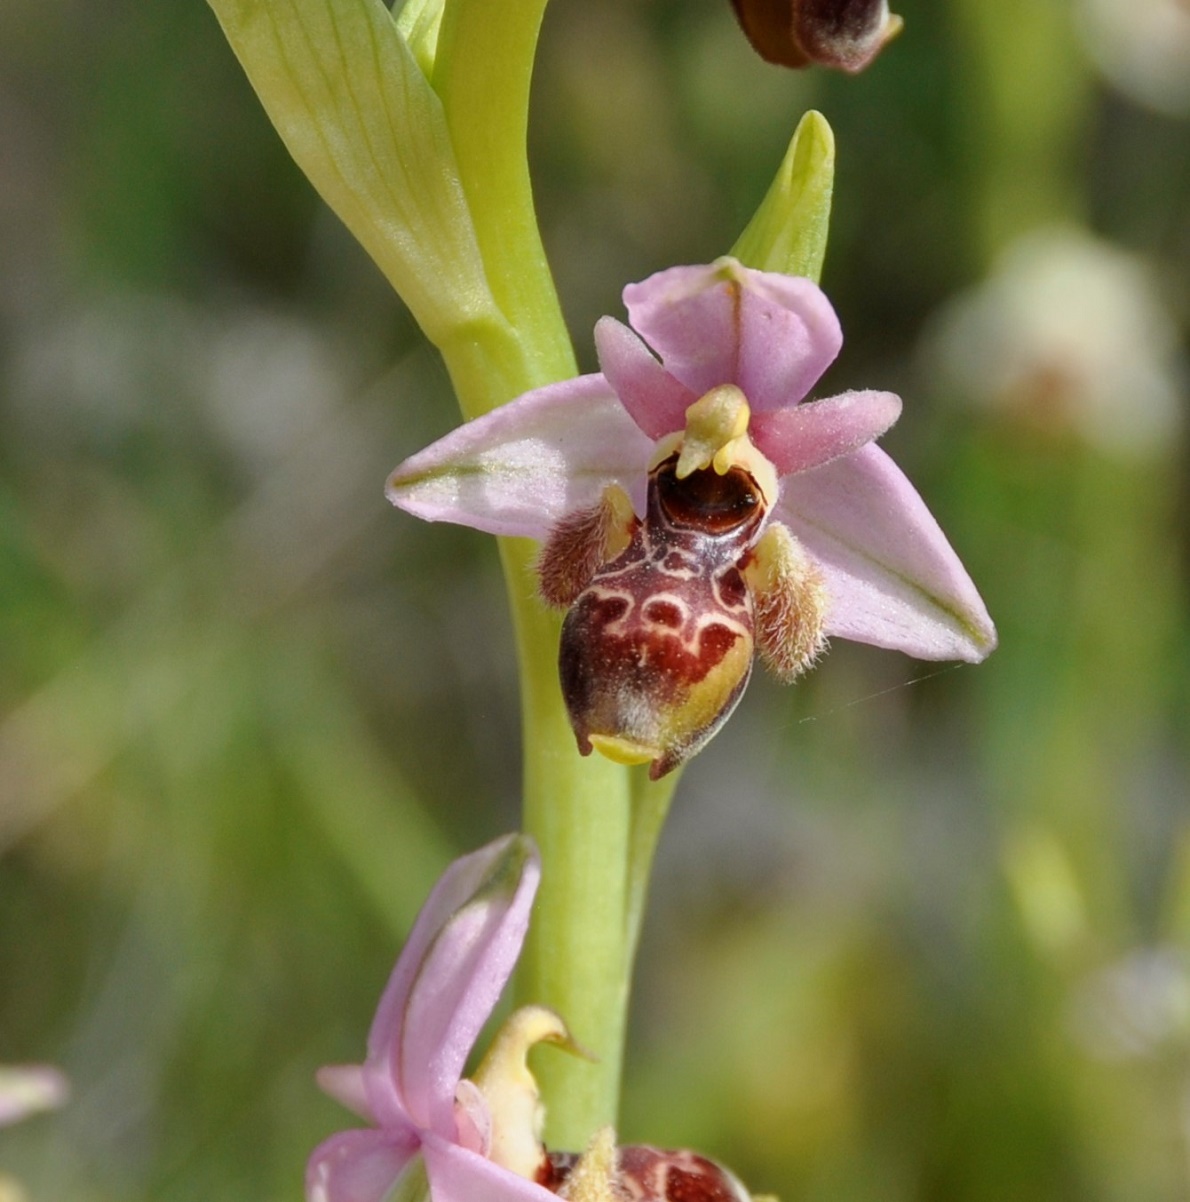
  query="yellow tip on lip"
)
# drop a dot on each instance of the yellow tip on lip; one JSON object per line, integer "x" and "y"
{"x": 624, "y": 751}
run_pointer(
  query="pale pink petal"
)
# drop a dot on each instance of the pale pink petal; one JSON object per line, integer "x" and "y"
{"x": 773, "y": 335}
{"x": 360, "y": 1166}
{"x": 457, "y": 1175}
{"x": 453, "y": 968}
{"x": 656, "y": 401}
{"x": 26, "y": 1089}
{"x": 345, "y": 1083}
{"x": 525, "y": 465}
{"x": 892, "y": 578}
{"x": 809, "y": 435}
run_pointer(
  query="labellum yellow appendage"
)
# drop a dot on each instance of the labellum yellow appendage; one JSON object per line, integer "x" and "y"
{"x": 624, "y": 751}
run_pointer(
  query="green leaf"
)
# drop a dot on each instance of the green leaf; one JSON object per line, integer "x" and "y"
{"x": 359, "y": 117}
{"x": 788, "y": 232}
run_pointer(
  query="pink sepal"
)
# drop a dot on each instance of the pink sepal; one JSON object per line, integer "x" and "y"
{"x": 772, "y": 335}
{"x": 458, "y": 1175}
{"x": 345, "y": 1083}
{"x": 359, "y": 1166}
{"x": 454, "y": 966}
{"x": 524, "y": 466}
{"x": 892, "y": 578}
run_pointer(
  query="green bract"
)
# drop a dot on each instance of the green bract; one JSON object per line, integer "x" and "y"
{"x": 788, "y": 232}
{"x": 354, "y": 106}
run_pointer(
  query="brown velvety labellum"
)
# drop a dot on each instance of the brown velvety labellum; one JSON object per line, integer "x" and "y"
{"x": 646, "y": 1174}
{"x": 657, "y": 649}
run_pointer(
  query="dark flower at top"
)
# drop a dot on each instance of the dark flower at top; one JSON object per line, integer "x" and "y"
{"x": 845, "y": 34}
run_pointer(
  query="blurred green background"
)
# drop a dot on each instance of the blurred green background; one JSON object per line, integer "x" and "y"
{"x": 918, "y": 932}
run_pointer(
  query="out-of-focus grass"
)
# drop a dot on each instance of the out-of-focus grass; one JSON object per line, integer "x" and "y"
{"x": 918, "y": 933}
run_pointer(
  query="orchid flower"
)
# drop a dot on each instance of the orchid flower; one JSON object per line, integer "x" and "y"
{"x": 694, "y": 505}
{"x": 436, "y": 1134}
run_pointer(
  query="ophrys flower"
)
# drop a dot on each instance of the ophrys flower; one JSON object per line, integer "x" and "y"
{"x": 694, "y": 506}
{"x": 436, "y": 1136}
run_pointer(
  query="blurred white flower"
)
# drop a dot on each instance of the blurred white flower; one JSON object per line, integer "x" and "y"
{"x": 1134, "y": 1007}
{"x": 26, "y": 1089}
{"x": 1068, "y": 334}
{"x": 1142, "y": 47}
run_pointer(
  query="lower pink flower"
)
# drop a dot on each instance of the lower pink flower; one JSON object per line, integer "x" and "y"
{"x": 426, "y": 1122}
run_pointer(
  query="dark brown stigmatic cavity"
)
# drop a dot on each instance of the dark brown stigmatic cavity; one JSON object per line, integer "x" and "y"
{"x": 658, "y": 647}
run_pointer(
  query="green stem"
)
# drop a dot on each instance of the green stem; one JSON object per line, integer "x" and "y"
{"x": 576, "y": 958}
{"x": 482, "y": 72}
{"x": 578, "y": 955}
{"x": 650, "y": 805}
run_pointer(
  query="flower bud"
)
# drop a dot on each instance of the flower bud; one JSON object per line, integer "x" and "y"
{"x": 846, "y": 34}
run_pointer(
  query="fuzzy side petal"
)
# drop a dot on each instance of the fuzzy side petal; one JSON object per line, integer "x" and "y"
{"x": 892, "y": 577}
{"x": 807, "y": 436}
{"x": 525, "y": 465}
{"x": 457, "y": 1175}
{"x": 359, "y": 1166}
{"x": 656, "y": 401}
{"x": 773, "y": 335}
{"x": 460, "y": 953}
